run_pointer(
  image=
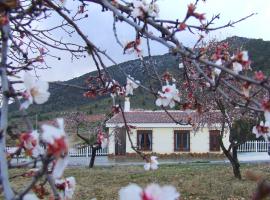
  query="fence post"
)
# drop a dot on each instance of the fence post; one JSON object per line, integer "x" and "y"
{"x": 256, "y": 147}
{"x": 87, "y": 150}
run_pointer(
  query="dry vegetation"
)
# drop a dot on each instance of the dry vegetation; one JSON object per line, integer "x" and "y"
{"x": 197, "y": 181}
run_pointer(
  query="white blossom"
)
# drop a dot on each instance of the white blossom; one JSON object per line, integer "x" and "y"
{"x": 217, "y": 71}
{"x": 36, "y": 91}
{"x": 102, "y": 140}
{"x": 267, "y": 115}
{"x": 59, "y": 167}
{"x": 246, "y": 91}
{"x": 142, "y": 8}
{"x": 131, "y": 85}
{"x": 153, "y": 10}
{"x": 30, "y": 196}
{"x": 104, "y": 143}
{"x": 153, "y": 164}
{"x": 181, "y": 66}
{"x": 56, "y": 139}
{"x": 69, "y": 185}
{"x": 30, "y": 142}
{"x": 51, "y": 133}
{"x": 37, "y": 151}
{"x": 131, "y": 192}
{"x": 237, "y": 67}
{"x": 152, "y": 191}
{"x": 168, "y": 96}
{"x": 263, "y": 129}
{"x": 244, "y": 56}
{"x": 12, "y": 150}
{"x": 155, "y": 192}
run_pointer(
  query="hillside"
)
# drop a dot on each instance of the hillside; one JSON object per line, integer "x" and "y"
{"x": 258, "y": 49}
{"x": 66, "y": 99}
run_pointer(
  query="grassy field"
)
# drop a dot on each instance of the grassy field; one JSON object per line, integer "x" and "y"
{"x": 197, "y": 181}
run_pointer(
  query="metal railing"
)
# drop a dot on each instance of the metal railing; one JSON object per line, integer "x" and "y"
{"x": 77, "y": 151}
{"x": 253, "y": 146}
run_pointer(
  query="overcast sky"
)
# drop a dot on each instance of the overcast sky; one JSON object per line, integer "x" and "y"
{"x": 98, "y": 27}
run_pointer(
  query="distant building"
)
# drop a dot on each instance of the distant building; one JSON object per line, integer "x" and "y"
{"x": 157, "y": 132}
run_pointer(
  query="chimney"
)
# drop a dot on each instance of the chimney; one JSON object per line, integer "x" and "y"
{"x": 127, "y": 105}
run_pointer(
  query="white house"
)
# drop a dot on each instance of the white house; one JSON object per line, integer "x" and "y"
{"x": 156, "y": 131}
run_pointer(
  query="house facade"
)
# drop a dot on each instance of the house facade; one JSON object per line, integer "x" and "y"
{"x": 157, "y": 132}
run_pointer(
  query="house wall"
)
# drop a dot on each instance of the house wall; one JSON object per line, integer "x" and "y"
{"x": 199, "y": 141}
{"x": 111, "y": 145}
{"x": 163, "y": 140}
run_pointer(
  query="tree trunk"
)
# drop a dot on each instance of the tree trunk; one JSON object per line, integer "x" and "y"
{"x": 235, "y": 163}
{"x": 232, "y": 158}
{"x": 93, "y": 156}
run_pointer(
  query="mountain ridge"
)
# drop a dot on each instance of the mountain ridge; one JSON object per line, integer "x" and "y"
{"x": 65, "y": 98}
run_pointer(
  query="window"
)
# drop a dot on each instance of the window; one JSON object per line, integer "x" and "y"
{"x": 181, "y": 141}
{"x": 214, "y": 143}
{"x": 144, "y": 140}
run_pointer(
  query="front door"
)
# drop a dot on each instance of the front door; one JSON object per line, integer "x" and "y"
{"x": 120, "y": 141}
{"x": 214, "y": 140}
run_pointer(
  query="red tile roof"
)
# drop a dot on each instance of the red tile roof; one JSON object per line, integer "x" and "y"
{"x": 163, "y": 117}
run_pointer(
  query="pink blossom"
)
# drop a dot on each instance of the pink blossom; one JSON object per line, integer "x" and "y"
{"x": 191, "y": 9}
{"x": 182, "y": 26}
{"x": 259, "y": 76}
{"x": 133, "y": 47}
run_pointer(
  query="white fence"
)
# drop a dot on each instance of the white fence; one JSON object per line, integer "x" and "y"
{"x": 253, "y": 146}
{"x": 85, "y": 151}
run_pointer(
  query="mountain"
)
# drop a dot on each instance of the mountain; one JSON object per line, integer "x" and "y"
{"x": 258, "y": 50}
{"x": 64, "y": 99}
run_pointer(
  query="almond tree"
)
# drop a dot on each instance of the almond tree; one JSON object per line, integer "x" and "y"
{"x": 25, "y": 47}
{"x": 95, "y": 137}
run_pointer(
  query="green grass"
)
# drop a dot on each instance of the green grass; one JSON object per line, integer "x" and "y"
{"x": 196, "y": 181}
